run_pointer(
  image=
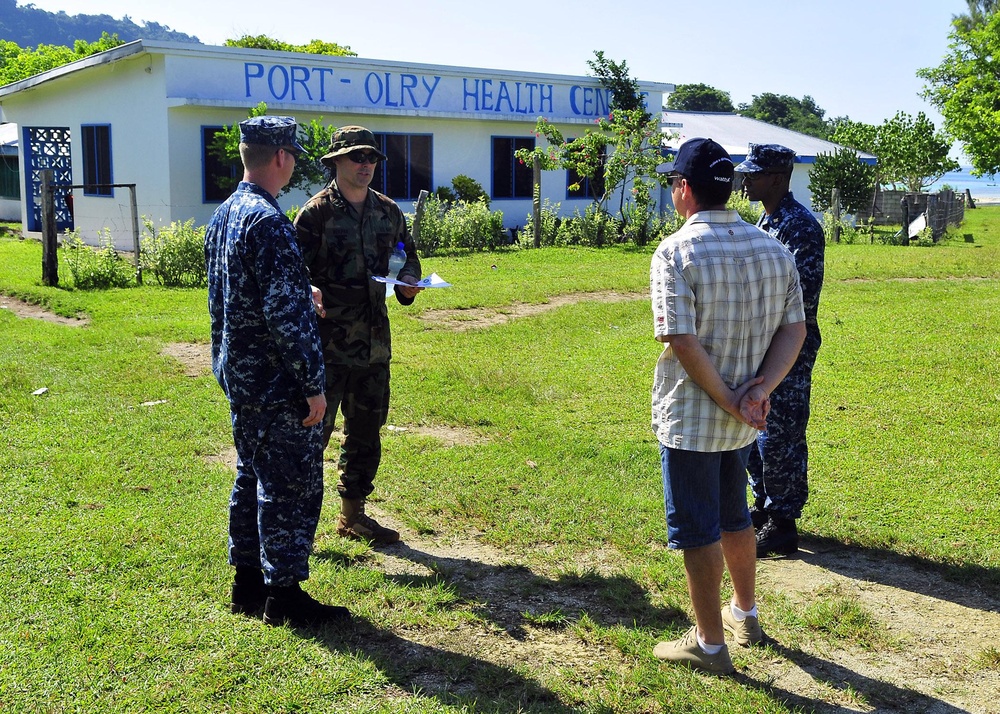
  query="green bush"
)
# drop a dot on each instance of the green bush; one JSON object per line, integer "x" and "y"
{"x": 849, "y": 233}
{"x": 96, "y": 269}
{"x": 469, "y": 190}
{"x": 175, "y": 255}
{"x": 750, "y": 211}
{"x": 459, "y": 227}
{"x": 550, "y": 224}
{"x": 595, "y": 228}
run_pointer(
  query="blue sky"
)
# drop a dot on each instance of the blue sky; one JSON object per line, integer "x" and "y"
{"x": 856, "y": 58}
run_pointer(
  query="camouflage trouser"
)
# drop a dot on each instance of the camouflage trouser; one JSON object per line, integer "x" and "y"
{"x": 278, "y": 493}
{"x": 362, "y": 395}
{"x": 778, "y": 467}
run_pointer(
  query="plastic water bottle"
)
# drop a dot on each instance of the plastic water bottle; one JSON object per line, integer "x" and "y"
{"x": 396, "y": 261}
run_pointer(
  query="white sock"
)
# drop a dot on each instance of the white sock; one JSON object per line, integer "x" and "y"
{"x": 740, "y": 615}
{"x": 708, "y": 649}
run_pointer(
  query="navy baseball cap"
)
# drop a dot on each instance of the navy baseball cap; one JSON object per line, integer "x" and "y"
{"x": 767, "y": 157}
{"x": 701, "y": 161}
{"x": 271, "y": 131}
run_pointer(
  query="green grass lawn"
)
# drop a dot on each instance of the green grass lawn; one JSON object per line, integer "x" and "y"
{"x": 114, "y": 509}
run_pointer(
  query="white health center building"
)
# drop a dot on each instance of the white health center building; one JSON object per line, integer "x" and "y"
{"x": 145, "y": 113}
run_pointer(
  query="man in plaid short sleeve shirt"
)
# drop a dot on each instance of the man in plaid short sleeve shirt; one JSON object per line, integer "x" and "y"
{"x": 728, "y": 307}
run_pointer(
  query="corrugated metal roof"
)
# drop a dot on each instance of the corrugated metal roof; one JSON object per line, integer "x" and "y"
{"x": 736, "y": 132}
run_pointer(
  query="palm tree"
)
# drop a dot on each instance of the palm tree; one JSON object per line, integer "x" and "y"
{"x": 979, "y": 12}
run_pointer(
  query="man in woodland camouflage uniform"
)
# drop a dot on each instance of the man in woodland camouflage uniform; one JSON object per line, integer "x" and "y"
{"x": 778, "y": 467}
{"x": 267, "y": 357}
{"x": 347, "y": 232}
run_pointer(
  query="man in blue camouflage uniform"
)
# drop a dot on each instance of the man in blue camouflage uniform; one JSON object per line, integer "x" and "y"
{"x": 347, "y": 232}
{"x": 267, "y": 357}
{"x": 778, "y": 467}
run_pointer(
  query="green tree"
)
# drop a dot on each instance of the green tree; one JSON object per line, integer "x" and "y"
{"x": 315, "y": 47}
{"x": 910, "y": 151}
{"x": 17, "y": 63}
{"x": 841, "y": 169}
{"x": 699, "y": 98}
{"x": 965, "y": 88}
{"x": 979, "y": 13}
{"x": 635, "y": 138}
{"x": 801, "y": 115}
{"x": 615, "y": 78}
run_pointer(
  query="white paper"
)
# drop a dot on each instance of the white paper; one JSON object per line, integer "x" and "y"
{"x": 431, "y": 281}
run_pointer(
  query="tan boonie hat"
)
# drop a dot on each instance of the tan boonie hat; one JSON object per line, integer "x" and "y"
{"x": 348, "y": 138}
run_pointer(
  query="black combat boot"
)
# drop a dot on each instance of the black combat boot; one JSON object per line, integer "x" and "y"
{"x": 249, "y": 591}
{"x": 778, "y": 537}
{"x": 291, "y": 605}
{"x": 758, "y": 516}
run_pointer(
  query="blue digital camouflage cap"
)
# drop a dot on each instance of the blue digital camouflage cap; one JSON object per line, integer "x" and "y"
{"x": 270, "y": 131}
{"x": 767, "y": 157}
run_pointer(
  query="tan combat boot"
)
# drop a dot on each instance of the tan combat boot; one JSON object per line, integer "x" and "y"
{"x": 355, "y": 523}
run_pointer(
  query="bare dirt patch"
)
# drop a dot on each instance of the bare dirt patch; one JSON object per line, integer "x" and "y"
{"x": 479, "y": 317}
{"x": 940, "y": 627}
{"x": 195, "y": 357}
{"x": 37, "y": 312}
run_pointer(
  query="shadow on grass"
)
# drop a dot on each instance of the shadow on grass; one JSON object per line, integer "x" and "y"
{"x": 871, "y": 694}
{"x": 968, "y": 585}
{"x": 510, "y": 597}
{"x": 453, "y": 678}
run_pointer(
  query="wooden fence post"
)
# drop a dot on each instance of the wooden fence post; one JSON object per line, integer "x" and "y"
{"x": 835, "y": 205}
{"x": 135, "y": 233}
{"x": 418, "y": 215}
{"x": 50, "y": 256}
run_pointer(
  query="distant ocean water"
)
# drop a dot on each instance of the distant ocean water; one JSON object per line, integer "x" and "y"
{"x": 983, "y": 188}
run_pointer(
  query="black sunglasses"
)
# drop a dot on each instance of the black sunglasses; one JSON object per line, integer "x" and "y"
{"x": 673, "y": 177}
{"x": 361, "y": 157}
{"x": 292, "y": 151}
{"x": 753, "y": 176}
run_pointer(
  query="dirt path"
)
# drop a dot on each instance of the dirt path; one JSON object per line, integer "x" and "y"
{"x": 37, "y": 312}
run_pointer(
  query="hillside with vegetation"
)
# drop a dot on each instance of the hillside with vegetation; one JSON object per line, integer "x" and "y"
{"x": 29, "y": 26}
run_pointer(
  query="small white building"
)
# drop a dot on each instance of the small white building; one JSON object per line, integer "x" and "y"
{"x": 145, "y": 113}
{"x": 735, "y": 133}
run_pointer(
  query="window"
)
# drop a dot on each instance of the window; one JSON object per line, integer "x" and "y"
{"x": 511, "y": 178}
{"x": 10, "y": 177}
{"x": 97, "y": 160}
{"x": 219, "y": 178}
{"x": 407, "y": 170}
{"x": 592, "y": 187}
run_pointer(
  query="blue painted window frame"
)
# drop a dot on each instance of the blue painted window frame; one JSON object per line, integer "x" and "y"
{"x": 97, "y": 160}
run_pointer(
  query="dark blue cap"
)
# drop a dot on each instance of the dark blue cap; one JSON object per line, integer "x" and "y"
{"x": 767, "y": 157}
{"x": 701, "y": 161}
{"x": 270, "y": 131}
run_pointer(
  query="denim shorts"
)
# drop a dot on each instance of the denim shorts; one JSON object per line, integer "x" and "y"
{"x": 705, "y": 494}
